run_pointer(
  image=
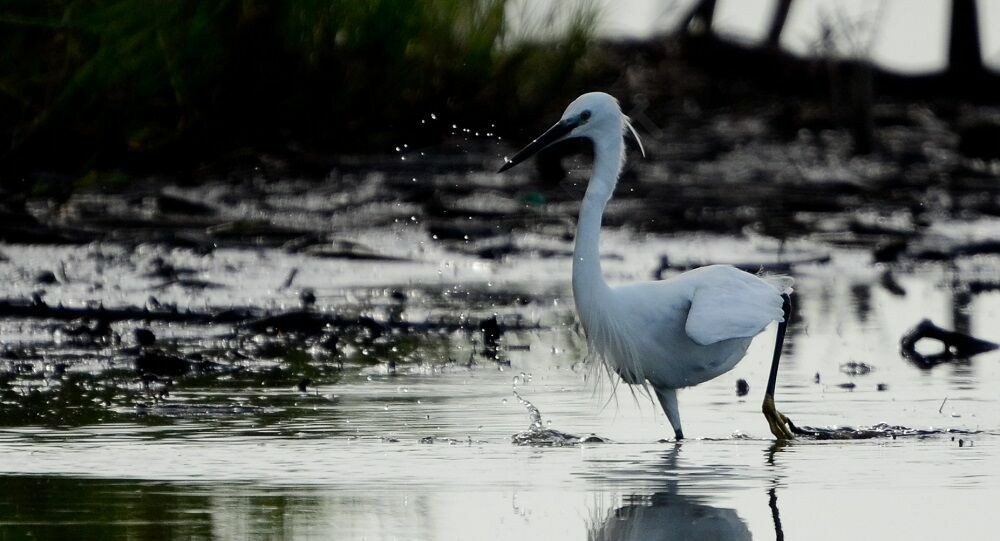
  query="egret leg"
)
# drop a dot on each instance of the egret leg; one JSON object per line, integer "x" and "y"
{"x": 668, "y": 401}
{"x": 780, "y": 425}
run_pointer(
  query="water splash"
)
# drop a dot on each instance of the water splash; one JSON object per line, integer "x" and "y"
{"x": 538, "y": 435}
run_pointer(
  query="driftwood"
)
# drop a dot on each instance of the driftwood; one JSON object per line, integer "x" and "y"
{"x": 956, "y": 345}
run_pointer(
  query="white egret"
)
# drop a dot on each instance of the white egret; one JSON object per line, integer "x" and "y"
{"x": 672, "y": 333}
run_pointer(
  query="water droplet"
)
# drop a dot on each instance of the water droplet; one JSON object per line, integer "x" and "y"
{"x": 503, "y": 401}
{"x": 398, "y": 149}
{"x": 387, "y": 407}
{"x": 369, "y": 378}
{"x": 433, "y": 116}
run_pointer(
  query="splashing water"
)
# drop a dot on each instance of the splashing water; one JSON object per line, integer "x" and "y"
{"x": 538, "y": 435}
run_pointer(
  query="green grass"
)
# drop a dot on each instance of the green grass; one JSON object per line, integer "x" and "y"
{"x": 107, "y": 83}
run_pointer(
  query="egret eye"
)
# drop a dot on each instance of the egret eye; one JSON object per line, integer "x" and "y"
{"x": 585, "y": 116}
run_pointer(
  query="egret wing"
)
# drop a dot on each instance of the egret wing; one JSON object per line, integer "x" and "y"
{"x": 729, "y": 303}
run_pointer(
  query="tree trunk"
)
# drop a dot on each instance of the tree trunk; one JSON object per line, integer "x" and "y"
{"x": 699, "y": 21}
{"x": 964, "y": 56}
{"x": 778, "y": 23}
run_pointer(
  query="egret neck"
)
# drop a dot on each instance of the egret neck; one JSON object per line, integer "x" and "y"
{"x": 589, "y": 287}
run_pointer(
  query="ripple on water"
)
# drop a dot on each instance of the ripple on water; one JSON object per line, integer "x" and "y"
{"x": 881, "y": 430}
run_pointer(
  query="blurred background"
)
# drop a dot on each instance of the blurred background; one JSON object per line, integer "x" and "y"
{"x": 112, "y": 87}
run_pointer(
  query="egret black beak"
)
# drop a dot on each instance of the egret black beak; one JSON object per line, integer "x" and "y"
{"x": 551, "y": 135}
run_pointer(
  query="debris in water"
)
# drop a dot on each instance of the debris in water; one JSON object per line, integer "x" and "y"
{"x": 100, "y": 328}
{"x": 490, "y": 328}
{"x": 350, "y": 250}
{"x": 888, "y": 252}
{"x": 742, "y": 387}
{"x": 882, "y": 387}
{"x": 956, "y": 345}
{"x": 290, "y": 278}
{"x": 144, "y": 337}
{"x": 161, "y": 364}
{"x": 856, "y": 369}
{"x": 888, "y": 281}
{"x": 308, "y": 298}
{"x": 46, "y": 277}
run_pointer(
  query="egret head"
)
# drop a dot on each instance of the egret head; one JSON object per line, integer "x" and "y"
{"x": 593, "y": 115}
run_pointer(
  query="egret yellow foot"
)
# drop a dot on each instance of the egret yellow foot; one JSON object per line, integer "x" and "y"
{"x": 780, "y": 425}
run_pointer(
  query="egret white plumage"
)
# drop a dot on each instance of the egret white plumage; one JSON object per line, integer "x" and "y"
{"x": 672, "y": 333}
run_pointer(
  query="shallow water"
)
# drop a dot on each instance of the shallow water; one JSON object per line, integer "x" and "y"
{"x": 410, "y": 434}
{"x": 424, "y": 451}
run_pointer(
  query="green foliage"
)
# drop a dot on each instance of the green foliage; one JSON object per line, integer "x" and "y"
{"x": 85, "y": 83}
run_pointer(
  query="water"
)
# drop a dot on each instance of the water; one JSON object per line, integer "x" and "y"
{"x": 425, "y": 451}
{"x": 428, "y": 433}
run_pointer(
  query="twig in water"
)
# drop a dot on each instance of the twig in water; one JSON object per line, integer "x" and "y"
{"x": 291, "y": 277}
{"x": 942, "y": 404}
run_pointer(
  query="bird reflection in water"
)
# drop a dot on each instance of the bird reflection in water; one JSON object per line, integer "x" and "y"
{"x": 669, "y": 515}
{"x": 772, "y": 493}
